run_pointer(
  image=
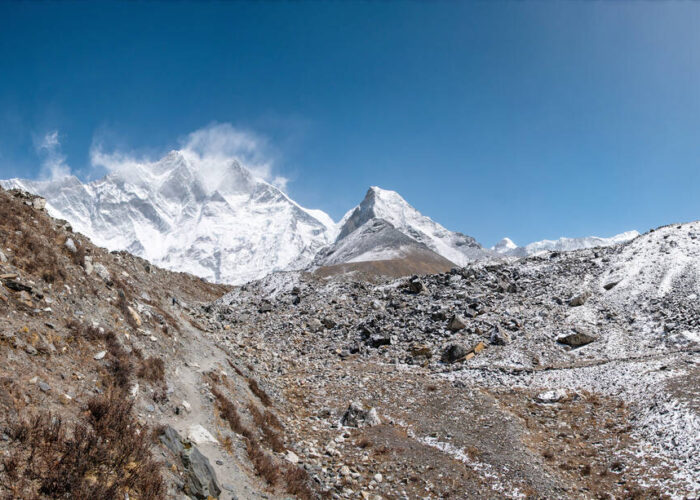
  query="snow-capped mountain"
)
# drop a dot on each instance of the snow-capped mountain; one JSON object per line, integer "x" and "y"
{"x": 389, "y": 206}
{"x": 507, "y": 247}
{"x": 232, "y": 228}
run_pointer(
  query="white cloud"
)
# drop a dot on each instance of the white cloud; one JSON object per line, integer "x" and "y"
{"x": 53, "y": 165}
{"x": 211, "y": 149}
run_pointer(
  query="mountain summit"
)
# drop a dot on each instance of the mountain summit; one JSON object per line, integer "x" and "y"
{"x": 230, "y": 227}
{"x": 391, "y": 207}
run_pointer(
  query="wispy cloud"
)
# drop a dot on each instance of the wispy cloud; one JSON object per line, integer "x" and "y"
{"x": 211, "y": 149}
{"x": 53, "y": 165}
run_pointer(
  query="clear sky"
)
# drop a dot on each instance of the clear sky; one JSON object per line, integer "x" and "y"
{"x": 524, "y": 119}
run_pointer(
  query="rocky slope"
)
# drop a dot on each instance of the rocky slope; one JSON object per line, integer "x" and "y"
{"x": 111, "y": 389}
{"x": 566, "y": 375}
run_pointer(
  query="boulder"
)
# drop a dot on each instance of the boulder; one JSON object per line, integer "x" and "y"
{"x": 357, "y": 416}
{"x": 456, "y": 323}
{"x": 454, "y": 353}
{"x": 201, "y": 479}
{"x": 580, "y": 299}
{"x": 576, "y": 338}
{"x": 499, "y": 337}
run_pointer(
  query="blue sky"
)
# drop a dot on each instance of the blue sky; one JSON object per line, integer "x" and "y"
{"x": 527, "y": 119}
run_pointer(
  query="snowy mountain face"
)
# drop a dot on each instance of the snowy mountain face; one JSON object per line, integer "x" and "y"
{"x": 508, "y": 248}
{"x": 389, "y": 206}
{"x": 230, "y": 229}
{"x": 233, "y": 227}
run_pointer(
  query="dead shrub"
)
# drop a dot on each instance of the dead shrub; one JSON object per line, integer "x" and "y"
{"x": 297, "y": 483}
{"x": 262, "y": 395}
{"x": 230, "y": 414}
{"x": 104, "y": 456}
{"x": 152, "y": 369}
{"x": 264, "y": 465}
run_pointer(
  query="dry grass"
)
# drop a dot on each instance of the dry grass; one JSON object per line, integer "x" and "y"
{"x": 104, "y": 456}
{"x": 30, "y": 237}
{"x": 152, "y": 369}
{"x": 264, "y": 465}
{"x": 231, "y": 415}
{"x": 262, "y": 395}
{"x": 265, "y": 423}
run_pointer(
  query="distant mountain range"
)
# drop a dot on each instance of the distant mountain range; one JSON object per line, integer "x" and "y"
{"x": 237, "y": 227}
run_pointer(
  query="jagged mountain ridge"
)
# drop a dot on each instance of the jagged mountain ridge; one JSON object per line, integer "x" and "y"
{"x": 391, "y": 207}
{"x": 234, "y": 227}
{"x": 507, "y": 247}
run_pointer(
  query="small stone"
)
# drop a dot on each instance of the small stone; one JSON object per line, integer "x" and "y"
{"x": 454, "y": 353}
{"x": 553, "y": 396}
{"x": 70, "y": 245}
{"x": 579, "y": 299}
{"x": 456, "y": 323}
{"x": 44, "y": 386}
{"x": 378, "y": 478}
{"x": 499, "y": 337}
{"x": 100, "y": 355}
{"x": 186, "y": 406}
{"x": 291, "y": 457}
{"x": 219, "y": 462}
{"x": 345, "y": 470}
{"x": 3, "y": 259}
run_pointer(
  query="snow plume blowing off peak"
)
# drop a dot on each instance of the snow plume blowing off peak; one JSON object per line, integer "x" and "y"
{"x": 212, "y": 152}
{"x": 212, "y": 208}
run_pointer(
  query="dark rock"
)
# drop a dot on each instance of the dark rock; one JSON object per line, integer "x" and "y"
{"x": 456, "y": 323}
{"x": 357, "y": 416}
{"x": 266, "y": 306}
{"x": 576, "y": 338}
{"x": 454, "y": 353}
{"x": 201, "y": 479}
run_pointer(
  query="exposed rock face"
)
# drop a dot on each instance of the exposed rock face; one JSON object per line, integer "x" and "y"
{"x": 201, "y": 481}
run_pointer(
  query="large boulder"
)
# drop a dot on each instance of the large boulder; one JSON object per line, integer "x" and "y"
{"x": 200, "y": 477}
{"x": 454, "y": 353}
{"x": 576, "y": 338}
{"x": 357, "y": 416}
{"x": 456, "y": 323}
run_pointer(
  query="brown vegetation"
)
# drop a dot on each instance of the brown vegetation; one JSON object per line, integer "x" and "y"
{"x": 104, "y": 456}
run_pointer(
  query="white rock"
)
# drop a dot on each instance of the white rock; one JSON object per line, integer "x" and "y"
{"x": 70, "y": 245}
{"x": 3, "y": 259}
{"x": 199, "y": 435}
{"x": 100, "y": 355}
{"x": 291, "y": 457}
{"x": 186, "y": 406}
{"x": 552, "y": 396}
{"x": 378, "y": 478}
